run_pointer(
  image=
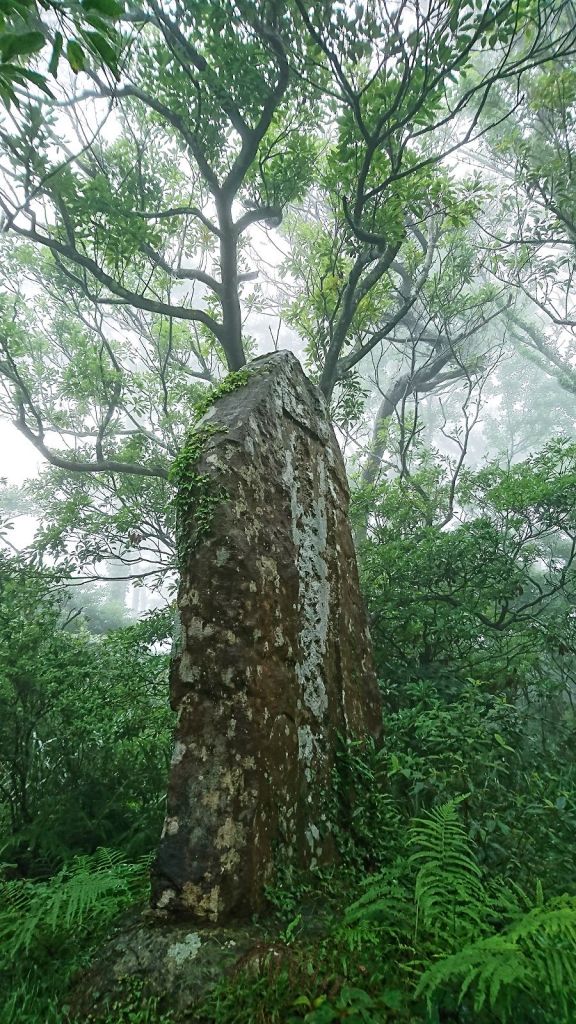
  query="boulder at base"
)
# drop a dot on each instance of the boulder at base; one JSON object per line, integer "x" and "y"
{"x": 273, "y": 668}
{"x": 172, "y": 962}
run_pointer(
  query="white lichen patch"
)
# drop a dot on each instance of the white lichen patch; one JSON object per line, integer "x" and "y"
{"x": 165, "y": 899}
{"x": 186, "y": 950}
{"x": 268, "y": 570}
{"x": 178, "y": 753}
{"x": 222, "y": 556}
{"x": 309, "y": 750}
{"x": 197, "y": 629}
{"x": 231, "y": 780}
{"x": 205, "y": 905}
{"x": 305, "y": 744}
{"x": 227, "y": 676}
{"x": 190, "y": 672}
{"x": 171, "y": 826}
{"x": 312, "y": 835}
{"x": 309, "y": 523}
{"x": 210, "y": 905}
{"x": 211, "y": 800}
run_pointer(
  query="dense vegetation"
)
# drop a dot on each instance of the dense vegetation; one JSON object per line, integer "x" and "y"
{"x": 457, "y": 859}
{"x": 391, "y": 188}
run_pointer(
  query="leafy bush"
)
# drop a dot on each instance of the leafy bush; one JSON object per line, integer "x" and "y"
{"x": 84, "y": 728}
{"x": 47, "y": 929}
{"x": 475, "y": 645}
{"x": 466, "y": 808}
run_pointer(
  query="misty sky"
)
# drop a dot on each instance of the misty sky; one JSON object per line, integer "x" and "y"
{"x": 18, "y": 458}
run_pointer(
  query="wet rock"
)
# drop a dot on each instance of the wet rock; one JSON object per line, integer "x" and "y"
{"x": 274, "y": 662}
{"x": 168, "y": 961}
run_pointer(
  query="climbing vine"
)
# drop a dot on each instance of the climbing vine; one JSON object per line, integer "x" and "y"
{"x": 197, "y": 497}
{"x": 230, "y": 383}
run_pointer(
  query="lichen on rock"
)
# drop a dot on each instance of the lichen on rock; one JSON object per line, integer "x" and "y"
{"x": 274, "y": 661}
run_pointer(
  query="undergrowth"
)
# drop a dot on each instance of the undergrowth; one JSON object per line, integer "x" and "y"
{"x": 428, "y": 938}
{"x": 49, "y": 929}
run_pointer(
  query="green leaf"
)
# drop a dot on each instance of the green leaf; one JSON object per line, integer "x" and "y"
{"x": 33, "y": 76}
{"x": 302, "y": 1001}
{"x": 99, "y": 43}
{"x": 21, "y": 44}
{"x": 500, "y": 740}
{"x": 15, "y": 73}
{"x": 56, "y": 52}
{"x": 76, "y": 56}
{"x": 109, "y": 8}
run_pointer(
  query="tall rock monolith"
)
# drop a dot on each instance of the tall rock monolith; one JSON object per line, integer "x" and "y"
{"x": 273, "y": 666}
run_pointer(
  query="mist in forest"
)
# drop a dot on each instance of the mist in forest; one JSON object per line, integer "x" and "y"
{"x": 387, "y": 190}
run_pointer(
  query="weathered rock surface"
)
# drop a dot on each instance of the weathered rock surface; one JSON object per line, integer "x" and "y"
{"x": 274, "y": 660}
{"x": 170, "y": 961}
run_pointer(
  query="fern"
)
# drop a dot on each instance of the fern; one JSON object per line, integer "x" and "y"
{"x": 450, "y": 897}
{"x": 533, "y": 959}
{"x": 386, "y": 907}
{"x": 89, "y": 891}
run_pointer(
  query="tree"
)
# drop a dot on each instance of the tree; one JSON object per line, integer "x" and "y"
{"x": 80, "y": 31}
{"x": 84, "y": 726}
{"x": 520, "y": 517}
{"x": 217, "y": 110}
{"x": 532, "y": 155}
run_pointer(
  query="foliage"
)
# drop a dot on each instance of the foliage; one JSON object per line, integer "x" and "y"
{"x": 438, "y": 611}
{"x": 524, "y": 965}
{"x": 85, "y": 892}
{"x": 81, "y": 31}
{"x": 525, "y": 968}
{"x": 476, "y": 655}
{"x": 448, "y": 890}
{"x": 67, "y": 914}
{"x": 102, "y": 608}
{"x": 197, "y": 498}
{"x": 84, "y": 727}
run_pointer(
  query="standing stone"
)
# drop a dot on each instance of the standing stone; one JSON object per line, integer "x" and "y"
{"x": 274, "y": 661}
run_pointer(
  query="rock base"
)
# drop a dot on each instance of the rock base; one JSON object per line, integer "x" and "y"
{"x": 178, "y": 963}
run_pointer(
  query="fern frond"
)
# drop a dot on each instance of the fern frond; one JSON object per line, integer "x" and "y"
{"x": 89, "y": 891}
{"x": 534, "y": 959}
{"x": 386, "y": 903}
{"x": 450, "y": 895}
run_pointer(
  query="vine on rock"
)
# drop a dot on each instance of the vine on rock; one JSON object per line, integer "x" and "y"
{"x": 196, "y": 495}
{"x": 196, "y": 498}
{"x": 230, "y": 383}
